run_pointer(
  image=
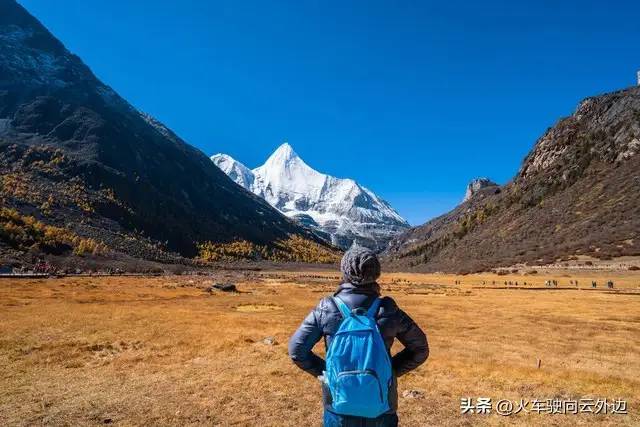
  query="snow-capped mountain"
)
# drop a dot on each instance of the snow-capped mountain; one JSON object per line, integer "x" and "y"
{"x": 341, "y": 210}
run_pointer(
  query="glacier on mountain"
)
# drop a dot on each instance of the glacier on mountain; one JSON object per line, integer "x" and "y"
{"x": 340, "y": 210}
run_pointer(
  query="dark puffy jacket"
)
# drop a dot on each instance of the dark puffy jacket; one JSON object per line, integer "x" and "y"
{"x": 324, "y": 320}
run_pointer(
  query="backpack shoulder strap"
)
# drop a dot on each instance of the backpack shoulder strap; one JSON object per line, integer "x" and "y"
{"x": 373, "y": 310}
{"x": 344, "y": 309}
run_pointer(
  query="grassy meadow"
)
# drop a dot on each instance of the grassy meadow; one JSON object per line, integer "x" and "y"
{"x": 164, "y": 351}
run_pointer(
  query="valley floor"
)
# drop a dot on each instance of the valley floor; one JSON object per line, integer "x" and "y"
{"x": 163, "y": 351}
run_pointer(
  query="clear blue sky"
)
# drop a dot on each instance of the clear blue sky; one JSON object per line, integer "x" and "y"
{"x": 411, "y": 99}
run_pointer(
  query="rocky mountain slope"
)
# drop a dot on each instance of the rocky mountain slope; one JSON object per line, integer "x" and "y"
{"x": 577, "y": 193}
{"x": 76, "y": 156}
{"x": 340, "y": 209}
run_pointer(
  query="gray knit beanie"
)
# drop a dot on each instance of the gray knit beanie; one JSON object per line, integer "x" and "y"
{"x": 360, "y": 266}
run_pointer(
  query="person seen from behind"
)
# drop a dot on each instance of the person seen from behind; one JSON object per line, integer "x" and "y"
{"x": 359, "y": 375}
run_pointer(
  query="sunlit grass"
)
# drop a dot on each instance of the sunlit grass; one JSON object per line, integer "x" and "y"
{"x": 162, "y": 351}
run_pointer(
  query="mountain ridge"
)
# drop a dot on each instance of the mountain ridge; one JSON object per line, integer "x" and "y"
{"x": 75, "y": 155}
{"x": 577, "y": 193}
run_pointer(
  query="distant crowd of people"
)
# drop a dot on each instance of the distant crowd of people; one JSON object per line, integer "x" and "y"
{"x": 552, "y": 283}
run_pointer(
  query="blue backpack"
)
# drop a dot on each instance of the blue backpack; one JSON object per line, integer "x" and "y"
{"x": 358, "y": 371}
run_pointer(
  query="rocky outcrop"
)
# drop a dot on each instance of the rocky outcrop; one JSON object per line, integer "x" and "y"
{"x": 478, "y": 184}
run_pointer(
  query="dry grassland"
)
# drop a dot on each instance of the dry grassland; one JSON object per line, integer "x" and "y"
{"x": 162, "y": 351}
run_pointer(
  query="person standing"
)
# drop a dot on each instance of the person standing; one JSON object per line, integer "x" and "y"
{"x": 359, "y": 377}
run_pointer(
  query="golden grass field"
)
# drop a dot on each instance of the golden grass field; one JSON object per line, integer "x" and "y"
{"x": 162, "y": 351}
